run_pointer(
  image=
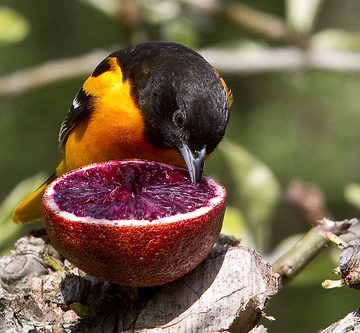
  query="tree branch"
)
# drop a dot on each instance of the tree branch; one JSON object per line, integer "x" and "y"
{"x": 297, "y": 258}
{"x": 266, "y": 25}
{"x": 50, "y": 72}
{"x": 281, "y": 59}
{"x": 240, "y": 62}
{"x": 351, "y": 323}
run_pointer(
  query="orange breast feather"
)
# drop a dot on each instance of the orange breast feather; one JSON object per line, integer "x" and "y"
{"x": 114, "y": 130}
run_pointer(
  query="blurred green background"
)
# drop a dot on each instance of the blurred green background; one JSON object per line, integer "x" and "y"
{"x": 294, "y": 72}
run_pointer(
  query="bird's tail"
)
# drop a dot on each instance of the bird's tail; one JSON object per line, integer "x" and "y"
{"x": 29, "y": 210}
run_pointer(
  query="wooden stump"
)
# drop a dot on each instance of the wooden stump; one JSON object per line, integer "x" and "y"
{"x": 227, "y": 292}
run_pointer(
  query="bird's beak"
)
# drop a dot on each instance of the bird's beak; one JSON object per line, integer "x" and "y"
{"x": 194, "y": 161}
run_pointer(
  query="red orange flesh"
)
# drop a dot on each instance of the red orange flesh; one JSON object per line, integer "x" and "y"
{"x": 143, "y": 249}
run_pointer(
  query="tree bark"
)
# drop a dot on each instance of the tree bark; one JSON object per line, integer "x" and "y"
{"x": 228, "y": 292}
{"x": 350, "y": 323}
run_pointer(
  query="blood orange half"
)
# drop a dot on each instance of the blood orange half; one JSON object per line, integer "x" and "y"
{"x": 134, "y": 223}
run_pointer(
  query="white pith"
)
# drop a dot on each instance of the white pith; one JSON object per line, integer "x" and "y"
{"x": 217, "y": 199}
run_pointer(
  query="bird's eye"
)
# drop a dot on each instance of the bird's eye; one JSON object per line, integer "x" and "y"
{"x": 179, "y": 118}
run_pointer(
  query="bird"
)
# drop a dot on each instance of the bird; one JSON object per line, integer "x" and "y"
{"x": 158, "y": 101}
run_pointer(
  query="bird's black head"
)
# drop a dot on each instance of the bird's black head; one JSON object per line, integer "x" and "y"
{"x": 183, "y": 99}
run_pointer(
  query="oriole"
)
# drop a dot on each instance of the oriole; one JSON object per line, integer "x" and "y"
{"x": 156, "y": 101}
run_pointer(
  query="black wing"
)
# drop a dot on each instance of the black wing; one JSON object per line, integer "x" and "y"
{"x": 79, "y": 110}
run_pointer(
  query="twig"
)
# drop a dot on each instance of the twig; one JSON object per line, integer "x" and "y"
{"x": 50, "y": 72}
{"x": 308, "y": 200}
{"x": 266, "y": 25}
{"x": 349, "y": 263}
{"x": 292, "y": 262}
{"x": 351, "y": 323}
{"x": 281, "y": 59}
{"x": 241, "y": 62}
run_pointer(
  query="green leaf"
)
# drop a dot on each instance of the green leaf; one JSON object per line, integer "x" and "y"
{"x": 81, "y": 310}
{"x": 13, "y": 26}
{"x": 53, "y": 263}
{"x": 9, "y": 230}
{"x": 352, "y": 194}
{"x": 257, "y": 190}
{"x": 181, "y": 31}
{"x": 160, "y": 12}
{"x": 234, "y": 225}
{"x": 109, "y": 7}
{"x": 337, "y": 39}
{"x": 301, "y": 14}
